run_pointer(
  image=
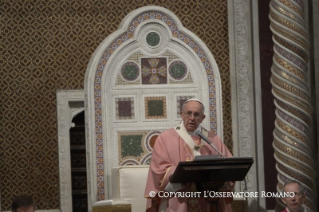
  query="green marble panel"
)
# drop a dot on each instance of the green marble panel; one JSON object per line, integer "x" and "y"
{"x": 155, "y": 107}
{"x": 153, "y": 39}
{"x": 131, "y": 145}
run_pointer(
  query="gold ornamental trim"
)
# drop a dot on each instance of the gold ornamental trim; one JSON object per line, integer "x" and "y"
{"x": 288, "y": 24}
{"x": 291, "y": 88}
{"x": 292, "y": 132}
{"x": 282, "y": 8}
{"x": 300, "y": 52}
{"x": 295, "y": 175}
{"x": 295, "y": 165}
{"x": 289, "y": 36}
{"x": 292, "y": 100}
{"x": 290, "y": 68}
{"x": 293, "y": 111}
{"x": 287, "y": 76}
{"x": 292, "y": 7}
{"x": 290, "y": 151}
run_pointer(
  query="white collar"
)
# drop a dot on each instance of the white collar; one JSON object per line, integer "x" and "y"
{"x": 199, "y": 128}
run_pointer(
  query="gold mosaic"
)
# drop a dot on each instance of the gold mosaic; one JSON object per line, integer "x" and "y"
{"x": 289, "y": 35}
{"x": 288, "y": 24}
{"x": 291, "y": 89}
{"x": 292, "y": 152}
{"x": 292, "y": 100}
{"x": 296, "y": 165}
{"x": 46, "y": 46}
{"x": 288, "y": 77}
{"x": 291, "y": 68}
{"x": 294, "y": 111}
{"x": 292, "y": 132}
{"x": 292, "y": 47}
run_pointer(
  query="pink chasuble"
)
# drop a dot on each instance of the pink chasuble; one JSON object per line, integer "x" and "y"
{"x": 168, "y": 151}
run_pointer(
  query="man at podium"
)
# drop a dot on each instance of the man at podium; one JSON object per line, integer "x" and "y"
{"x": 177, "y": 144}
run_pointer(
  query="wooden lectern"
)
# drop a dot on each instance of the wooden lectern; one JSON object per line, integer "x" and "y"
{"x": 211, "y": 173}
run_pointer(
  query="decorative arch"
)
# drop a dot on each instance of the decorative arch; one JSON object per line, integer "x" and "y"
{"x": 150, "y": 60}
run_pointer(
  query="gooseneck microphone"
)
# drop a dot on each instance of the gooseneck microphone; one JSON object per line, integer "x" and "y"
{"x": 200, "y": 134}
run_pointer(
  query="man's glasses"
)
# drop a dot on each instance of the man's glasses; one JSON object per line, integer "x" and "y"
{"x": 189, "y": 114}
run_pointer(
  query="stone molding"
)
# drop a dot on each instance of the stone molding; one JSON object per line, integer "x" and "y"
{"x": 69, "y": 104}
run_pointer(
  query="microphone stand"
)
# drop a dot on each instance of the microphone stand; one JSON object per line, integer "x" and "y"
{"x": 197, "y": 132}
{"x": 212, "y": 186}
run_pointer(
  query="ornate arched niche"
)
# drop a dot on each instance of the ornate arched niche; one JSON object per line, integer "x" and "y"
{"x": 135, "y": 85}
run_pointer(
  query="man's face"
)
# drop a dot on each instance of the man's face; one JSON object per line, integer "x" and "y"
{"x": 293, "y": 203}
{"x": 25, "y": 209}
{"x": 192, "y": 115}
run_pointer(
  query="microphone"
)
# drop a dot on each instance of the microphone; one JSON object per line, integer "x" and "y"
{"x": 200, "y": 134}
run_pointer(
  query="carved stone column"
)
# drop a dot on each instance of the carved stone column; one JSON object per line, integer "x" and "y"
{"x": 292, "y": 136}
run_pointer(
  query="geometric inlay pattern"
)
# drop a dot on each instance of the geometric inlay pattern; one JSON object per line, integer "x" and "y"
{"x": 135, "y": 148}
{"x": 186, "y": 80}
{"x": 124, "y": 108}
{"x": 177, "y": 70}
{"x": 155, "y": 107}
{"x": 131, "y": 145}
{"x": 130, "y": 71}
{"x": 46, "y": 46}
{"x": 154, "y": 70}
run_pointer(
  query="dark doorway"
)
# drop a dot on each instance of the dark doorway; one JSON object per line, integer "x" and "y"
{"x": 78, "y": 164}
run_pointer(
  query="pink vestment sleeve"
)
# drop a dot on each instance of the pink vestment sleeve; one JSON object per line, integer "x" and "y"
{"x": 161, "y": 168}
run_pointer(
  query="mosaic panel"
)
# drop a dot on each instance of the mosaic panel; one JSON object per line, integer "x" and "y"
{"x": 153, "y": 39}
{"x": 187, "y": 80}
{"x": 46, "y": 45}
{"x": 135, "y": 148}
{"x": 134, "y": 58}
{"x": 180, "y": 100}
{"x": 154, "y": 71}
{"x": 131, "y": 145}
{"x": 130, "y": 71}
{"x": 155, "y": 107}
{"x": 177, "y": 70}
{"x": 124, "y": 108}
